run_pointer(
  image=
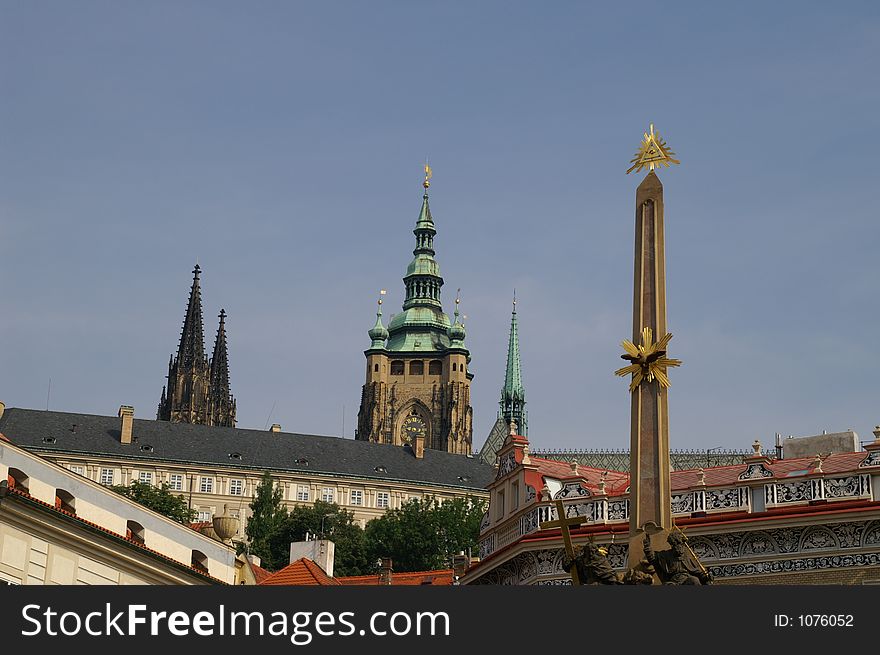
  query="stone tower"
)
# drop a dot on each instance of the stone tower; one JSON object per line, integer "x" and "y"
{"x": 513, "y": 394}
{"x": 198, "y": 390}
{"x": 417, "y": 388}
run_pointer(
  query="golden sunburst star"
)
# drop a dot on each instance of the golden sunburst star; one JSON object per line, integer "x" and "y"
{"x": 649, "y": 360}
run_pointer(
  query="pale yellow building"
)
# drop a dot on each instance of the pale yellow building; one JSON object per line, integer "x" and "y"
{"x": 58, "y": 527}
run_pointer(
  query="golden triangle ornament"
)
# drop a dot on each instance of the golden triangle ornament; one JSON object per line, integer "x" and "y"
{"x": 652, "y": 153}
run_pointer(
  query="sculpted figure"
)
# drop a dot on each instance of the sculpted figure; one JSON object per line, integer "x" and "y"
{"x": 678, "y": 565}
{"x": 593, "y": 566}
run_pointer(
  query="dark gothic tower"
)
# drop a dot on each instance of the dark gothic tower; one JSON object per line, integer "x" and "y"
{"x": 190, "y": 396}
{"x": 222, "y": 404}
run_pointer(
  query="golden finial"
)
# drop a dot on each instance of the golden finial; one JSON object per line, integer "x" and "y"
{"x": 382, "y": 292}
{"x": 427, "y": 181}
{"x": 652, "y": 153}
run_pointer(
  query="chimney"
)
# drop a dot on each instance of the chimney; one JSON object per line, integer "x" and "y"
{"x": 322, "y": 552}
{"x": 126, "y": 413}
{"x": 460, "y": 565}
{"x": 276, "y": 427}
{"x": 420, "y": 446}
{"x": 385, "y": 571}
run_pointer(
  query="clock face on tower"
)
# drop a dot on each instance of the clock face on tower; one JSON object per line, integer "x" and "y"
{"x": 412, "y": 426}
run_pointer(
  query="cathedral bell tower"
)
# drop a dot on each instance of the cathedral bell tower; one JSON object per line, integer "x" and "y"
{"x": 417, "y": 388}
{"x": 198, "y": 389}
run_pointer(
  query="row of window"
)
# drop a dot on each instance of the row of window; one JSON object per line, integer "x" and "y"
{"x": 417, "y": 367}
{"x": 236, "y": 487}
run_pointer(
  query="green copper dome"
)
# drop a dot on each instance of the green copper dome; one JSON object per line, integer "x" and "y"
{"x": 378, "y": 333}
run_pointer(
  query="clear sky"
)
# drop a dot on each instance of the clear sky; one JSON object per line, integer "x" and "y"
{"x": 281, "y": 144}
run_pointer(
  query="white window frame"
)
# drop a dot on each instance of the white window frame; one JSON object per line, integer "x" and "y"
{"x": 328, "y": 495}
{"x": 145, "y": 477}
{"x": 303, "y": 493}
{"x": 105, "y": 474}
{"x": 356, "y": 493}
{"x": 236, "y": 487}
{"x": 10, "y": 580}
{"x": 383, "y": 499}
{"x": 206, "y": 485}
{"x": 204, "y": 516}
{"x": 79, "y": 469}
{"x": 173, "y": 479}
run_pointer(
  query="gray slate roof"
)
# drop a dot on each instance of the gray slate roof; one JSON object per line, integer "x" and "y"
{"x": 212, "y": 446}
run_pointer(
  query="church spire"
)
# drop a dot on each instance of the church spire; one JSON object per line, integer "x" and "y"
{"x": 191, "y": 351}
{"x": 513, "y": 394}
{"x": 222, "y": 402}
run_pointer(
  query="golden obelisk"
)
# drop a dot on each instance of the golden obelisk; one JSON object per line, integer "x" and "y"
{"x": 649, "y": 496}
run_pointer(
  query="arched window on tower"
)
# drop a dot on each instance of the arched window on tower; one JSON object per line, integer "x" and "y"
{"x": 417, "y": 367}
{"x": 435, "y": 367}
{"x": 397, "y": 367}
{"x": 454, "y": 367}
{"x": 375, "y": 368}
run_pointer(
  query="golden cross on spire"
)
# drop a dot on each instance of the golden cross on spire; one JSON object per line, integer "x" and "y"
{"x": 652, "y": 153}
{"x": 427, "y": 181}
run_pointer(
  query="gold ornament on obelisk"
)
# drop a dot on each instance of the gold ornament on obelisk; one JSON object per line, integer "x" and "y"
{"x": 649, "y": 360}
{"x": 652, "y": 153}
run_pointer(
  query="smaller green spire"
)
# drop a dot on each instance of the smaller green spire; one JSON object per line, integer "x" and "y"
{"x": 513, "y": 394}
{"x": 456, "y": 330}
{"x": 378, "y": 333}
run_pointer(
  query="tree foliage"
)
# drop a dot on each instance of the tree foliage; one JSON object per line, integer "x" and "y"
{"x": 425, "y": 535}
{"x": 159, "y": 499}
{"x": 325, "y": 521}
{"x": 268, "y": 516}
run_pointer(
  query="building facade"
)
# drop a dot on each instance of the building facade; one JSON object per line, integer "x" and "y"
{"x": 417, "y": 388}
{"x": 213, "y": 467}
{"x": 807, "y": 520}
{"x": 58, "y": 527}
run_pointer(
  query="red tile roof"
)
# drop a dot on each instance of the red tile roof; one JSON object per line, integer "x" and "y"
{"x": 259, "y": 572}
{"x": 437, "y": 577}
{"x": 617, "y": 482}
{"x": 301, "y": 572}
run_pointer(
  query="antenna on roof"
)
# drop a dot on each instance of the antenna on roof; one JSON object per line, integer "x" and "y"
{"x": 268, "y": 418}
{"x": 48, "y": 393}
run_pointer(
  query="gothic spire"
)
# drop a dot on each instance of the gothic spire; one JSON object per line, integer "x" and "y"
{"x": 192, "y": 337}
{"x": 220, "y": 359}
{"x": 222, "y": 403}
{"x": 513, "y": 394}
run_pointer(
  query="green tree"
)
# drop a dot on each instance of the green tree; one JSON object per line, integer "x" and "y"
{"x": 425, "y": 535}
{"x": 325, "y": 521}
{"x": 268, "y": 517}
{"x": 159, "y": 499}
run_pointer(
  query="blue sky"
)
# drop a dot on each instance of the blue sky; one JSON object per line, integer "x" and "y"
{"x": 280, "y": 145}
